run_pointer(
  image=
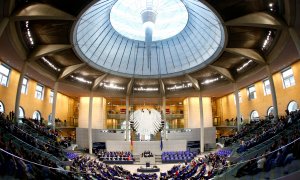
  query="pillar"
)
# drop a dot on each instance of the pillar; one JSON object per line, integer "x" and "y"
{"x": 164, "y": 117}
{"x": 54, "y": 105}
{"x": 273, "y": 92}
{"x": 237, "y": 106}
{"x": 90, "y": 138}
{"x": 201, "y": 122}
{"x": 18, "y": 95}
{"x": 127, "y": 119}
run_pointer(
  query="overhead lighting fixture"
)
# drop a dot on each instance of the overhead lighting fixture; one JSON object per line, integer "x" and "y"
{"x": 28, "y": 33}
{"x": 50, "y": 64}
{"x": 81, "y": 79}
{"x": 182, "y": 86}
{"x": 111, "y": 86}
{"x": 209, "y": 81}
{"x": 148, "y": 89}
{"x": 244, "y": 65}
{"x": 267, "y": 41}
{"x": 271, "y": 6}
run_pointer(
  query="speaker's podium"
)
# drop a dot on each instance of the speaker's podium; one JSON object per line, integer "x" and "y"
{"x": 148, "y": 168}
{"x": 145, "y": 160}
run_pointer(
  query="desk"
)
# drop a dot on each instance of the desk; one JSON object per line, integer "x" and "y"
{"x": 144, "y": 160}
{"x": 117, "y": 162}
{"x": 148, "y": 170}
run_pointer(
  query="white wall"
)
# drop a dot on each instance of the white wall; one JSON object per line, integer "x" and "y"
{"x": 192, "y": 112}
{"x": 98, "y": 115}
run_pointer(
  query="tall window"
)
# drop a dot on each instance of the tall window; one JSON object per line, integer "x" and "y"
{"x": 270, "y": 111}
{"x": 4, "y": 75}
{"x": 254, "y": 116}
{"x": 24, "y": 86}
{"x": 292, "y": 106}
{"x": 37, "y": 115}
{"x": 51, "y": 96}
{"x": 288, "y": 78}
{"x": 251, "y": 92}
{"x": 39, "y": 92}
{"x": 2, "y": 110}
{"x": 21, "y": 112}
{"x": 267, "y": 87}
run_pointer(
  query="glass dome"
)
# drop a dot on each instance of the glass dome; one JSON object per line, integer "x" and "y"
{"x": 109, "y": 36}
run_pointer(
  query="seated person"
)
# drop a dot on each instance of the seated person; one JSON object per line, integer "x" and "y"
{"x": 147, "y": 154}
{"x": 260, "y": 164}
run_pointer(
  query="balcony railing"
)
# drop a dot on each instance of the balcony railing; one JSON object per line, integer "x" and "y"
{"x": 123, "y": 116}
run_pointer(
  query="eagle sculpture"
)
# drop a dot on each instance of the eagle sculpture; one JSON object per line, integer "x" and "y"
{"x": 146, "y": 121}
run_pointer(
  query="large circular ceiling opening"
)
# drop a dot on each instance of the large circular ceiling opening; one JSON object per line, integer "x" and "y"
{"x": 126, "y": 18}
{"x": 148, "y": 38}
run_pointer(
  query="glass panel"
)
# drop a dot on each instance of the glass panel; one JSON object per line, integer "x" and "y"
{"x": 292, "y": 81}
{"x": 287, "y": 83}
{"x": 288, "y": 78}
{"x": 36, "y": 115}
{"x": 267, "y": 88}
{"x": 171, "y": 18}
{"x": 1, "y": 107}
{"x": 39, "y": 92}
{"x": 4, "y": 80}
{"x": 287, "y": 73}
{"x": 293, "y": 106}
{"x": 270, "y": 111}
{"x": 39, "y": 88}
{"x": 24, "y": 81}
{"x": 21, "y": 113}
{"x": 254, "y": 116}
{"x": 24, "y": 86}
{"x": 4, "y": 70}
{"x": 4, "y": 73}
{"x": 251, "y": 92}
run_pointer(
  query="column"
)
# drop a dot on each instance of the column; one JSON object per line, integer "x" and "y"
{"x": 201, "y": 122}
{"x": 127, "y": 118}
{"x": 237, "y": 106}
{"x": 54, "y": 105}
{"x": 18, "y": 95}
{"x": 164, "y": 117}
{"x": 90, "y": 138}
{"x": 273, "y": 92}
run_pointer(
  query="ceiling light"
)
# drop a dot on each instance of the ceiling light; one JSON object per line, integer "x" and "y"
{"x": 267, "y": 41}
{"x": 148, "y": 89}
{"x": 111, "y": 86}
{"x": 50, "y": 64}
{"x": 182, "y": 86}
{"x": 209, "y": 81}
{"x": 81, "y": 79}
{"x": 244, "y": 65}
{"x": 28, "y": 33}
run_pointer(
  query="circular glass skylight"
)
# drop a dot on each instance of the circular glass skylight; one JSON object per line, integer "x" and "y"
{"x": 109, "y": 35}
{"x": 125, "y": 17}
